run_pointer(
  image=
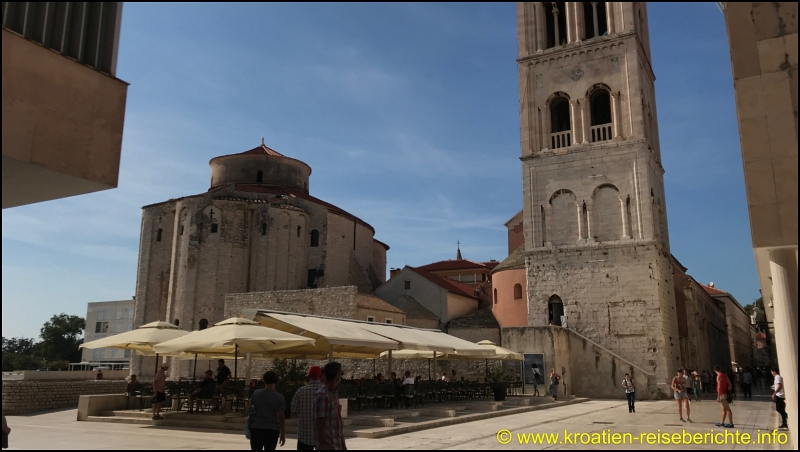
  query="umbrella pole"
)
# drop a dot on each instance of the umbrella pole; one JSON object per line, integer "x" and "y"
{"x": 249, "y": 373}
{"x": 486, "y": 361}
{"x": 235, "y": 362}
{"x": 194, "y": 374}
{"x": 374, "y": 367}
{"x": 435, "y": 366}
{"x": 429, "y": 369}
{"x": 390, "y": 362}
{"x": 155, "y": 371}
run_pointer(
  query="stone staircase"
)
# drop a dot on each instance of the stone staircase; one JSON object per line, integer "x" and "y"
{"x": 364, "y": 424}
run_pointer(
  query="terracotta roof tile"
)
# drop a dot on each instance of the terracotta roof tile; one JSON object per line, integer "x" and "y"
{"x": 482, "y": 318}
{"x": 457, "y": 265}
{"x": 446, "y": 284}
{"x": 370, "y": 302}
{"x": 712, "y": 290}
{"x": 262, "y": 150}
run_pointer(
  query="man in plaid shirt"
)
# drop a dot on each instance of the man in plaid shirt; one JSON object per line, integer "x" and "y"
{"x": 328, "y": 412}
{"x": 303, "y": 410}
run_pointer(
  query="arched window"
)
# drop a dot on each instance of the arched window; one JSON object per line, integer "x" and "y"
{"x": 555, "y": 309}
{"x": 495, "y": 296}
{"x": 298, "y": 231}
{"x": 263, "y": 228}
{"x": 260, "y": 176}
{"x": 560, "y": 123}
{"x": 158, "y": 234}
{"x": 600, "y": 106}
{"x": 314, "y": 238}
{"x": 203, "y": 324}
{"x": 517, "y": 291}
{"x": 556, "y": 23}
{"x": 594, "y": 19}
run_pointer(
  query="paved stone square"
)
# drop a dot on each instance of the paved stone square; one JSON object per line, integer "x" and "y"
{"x": 59, "y": 430}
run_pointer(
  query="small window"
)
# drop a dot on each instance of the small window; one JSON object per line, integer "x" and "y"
{"x": 314, "y": 238}
{"x": 298, "y": 231}
{"x": 101, "y": 327}
{"x": 177, "y": 322}
{"x": 203, "y": 324}
{"x": 495, "y": 296}
{"x": 181, "y": 233}
{"x": 264, "y": 228}
{"x": 158, "y": 234}
{"x": 214, "y": 228}
{"x": 260, "y": 176}
{"x": 389, "y": 321}
{"x": 517, "y": 291}
{"x": 311, "y": 282}
{"x": 407, "y": 285}
{"x": 370, "y": 318}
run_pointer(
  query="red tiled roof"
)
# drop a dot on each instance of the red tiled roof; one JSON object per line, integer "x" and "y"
{"x": 459, "y": 264}
{"x": 446, "y": 284}
{"x": 288, "y": 191}
{"x": 712, "y": 290}
{"x": 263, "y": 150}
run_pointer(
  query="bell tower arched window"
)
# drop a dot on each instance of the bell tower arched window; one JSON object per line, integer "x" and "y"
{"x": 594, "y": 19}
{"x": 556, "y": 23}
{"x": 560, "y": 126}
{"x": 517, "y": 291}
{"x": 600, "y": 106}
{"x": 314, "y": 238}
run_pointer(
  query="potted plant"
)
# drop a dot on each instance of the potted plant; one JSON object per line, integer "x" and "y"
{"x": 498, "y": 379}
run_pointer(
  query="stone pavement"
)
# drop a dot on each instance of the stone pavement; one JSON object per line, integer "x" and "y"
{"x": 59, "y": 430}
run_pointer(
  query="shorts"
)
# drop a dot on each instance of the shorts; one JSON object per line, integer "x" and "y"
{"x": 159, "y": 397}
{"x": 723, "y": 401}
{"x": 681, "y": 395}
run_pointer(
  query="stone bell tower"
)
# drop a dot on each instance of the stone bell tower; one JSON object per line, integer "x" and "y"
{"x": 595, "y": 222}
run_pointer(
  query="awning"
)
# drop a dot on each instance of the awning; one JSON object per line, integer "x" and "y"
{"x": 347, "y": 338}
{"x": 340, "y": 337}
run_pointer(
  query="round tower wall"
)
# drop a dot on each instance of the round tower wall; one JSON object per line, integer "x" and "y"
{"x": 274, "y": 170}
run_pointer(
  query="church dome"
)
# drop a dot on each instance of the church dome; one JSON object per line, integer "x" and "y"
{"x": 260, "y": 165}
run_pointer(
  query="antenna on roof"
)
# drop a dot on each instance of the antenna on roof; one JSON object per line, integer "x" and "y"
{"x": 262, "y": 141}
{"x": 458, "y": 252}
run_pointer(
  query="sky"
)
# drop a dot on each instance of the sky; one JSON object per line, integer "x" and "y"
{"x": 408, "y": 115}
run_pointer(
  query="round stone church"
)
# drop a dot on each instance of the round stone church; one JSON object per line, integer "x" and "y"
{"x": 256, "y": 229}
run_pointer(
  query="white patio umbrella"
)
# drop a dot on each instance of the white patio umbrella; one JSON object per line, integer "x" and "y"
{"x": 233, "y": 336}
{"x": 141, "y": 339}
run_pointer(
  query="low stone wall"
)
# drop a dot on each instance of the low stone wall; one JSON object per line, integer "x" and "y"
{"x": 61, "y": 375}
{"x": 20, "y": 397}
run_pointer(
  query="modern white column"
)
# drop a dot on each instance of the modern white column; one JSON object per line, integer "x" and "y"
{"x": 580, "y": 30}
{"x": 555, "y": 25}
{"x": 594, "y": 19}
{"x": 624, "y": 212}
{"x": 783, "y": 267}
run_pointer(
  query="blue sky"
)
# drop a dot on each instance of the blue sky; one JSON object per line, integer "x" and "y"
{"x": 408, "y": 115}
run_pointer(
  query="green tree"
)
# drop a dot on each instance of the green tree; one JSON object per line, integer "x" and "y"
{"x": 758, "y": 303}
{"x": 61, "y": 337}
{"x": 20, "y": 354}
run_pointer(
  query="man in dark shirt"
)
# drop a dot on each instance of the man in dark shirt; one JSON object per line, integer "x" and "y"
{"x": 133, "y": 388}
{"x": 223, "y": 373}
{"x": 205, "y": 391}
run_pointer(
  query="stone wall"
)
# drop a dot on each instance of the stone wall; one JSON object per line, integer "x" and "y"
{"x": 587, "y": 369}
{"x": 621, "y": 297}
{"x": 21, "y": 397}
{"x": 329, "y": 301}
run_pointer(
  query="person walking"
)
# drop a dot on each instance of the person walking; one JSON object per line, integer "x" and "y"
{"x": 723, "y": 385}
{"x": 630, "y": 392}
{"x": 679, "y": 386}
{"x": 747, "y": 384}
{"x": 267, "y": 421}
{"x": 536, "y": 387}
{"x": 779, "y": 396}
{"x": 303, "y": 410}
{"x": 554, "y": 380}
{"x": 159, "y": 396}
{"x": 696, "y": 386}
{"x": 328, "y": 411}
